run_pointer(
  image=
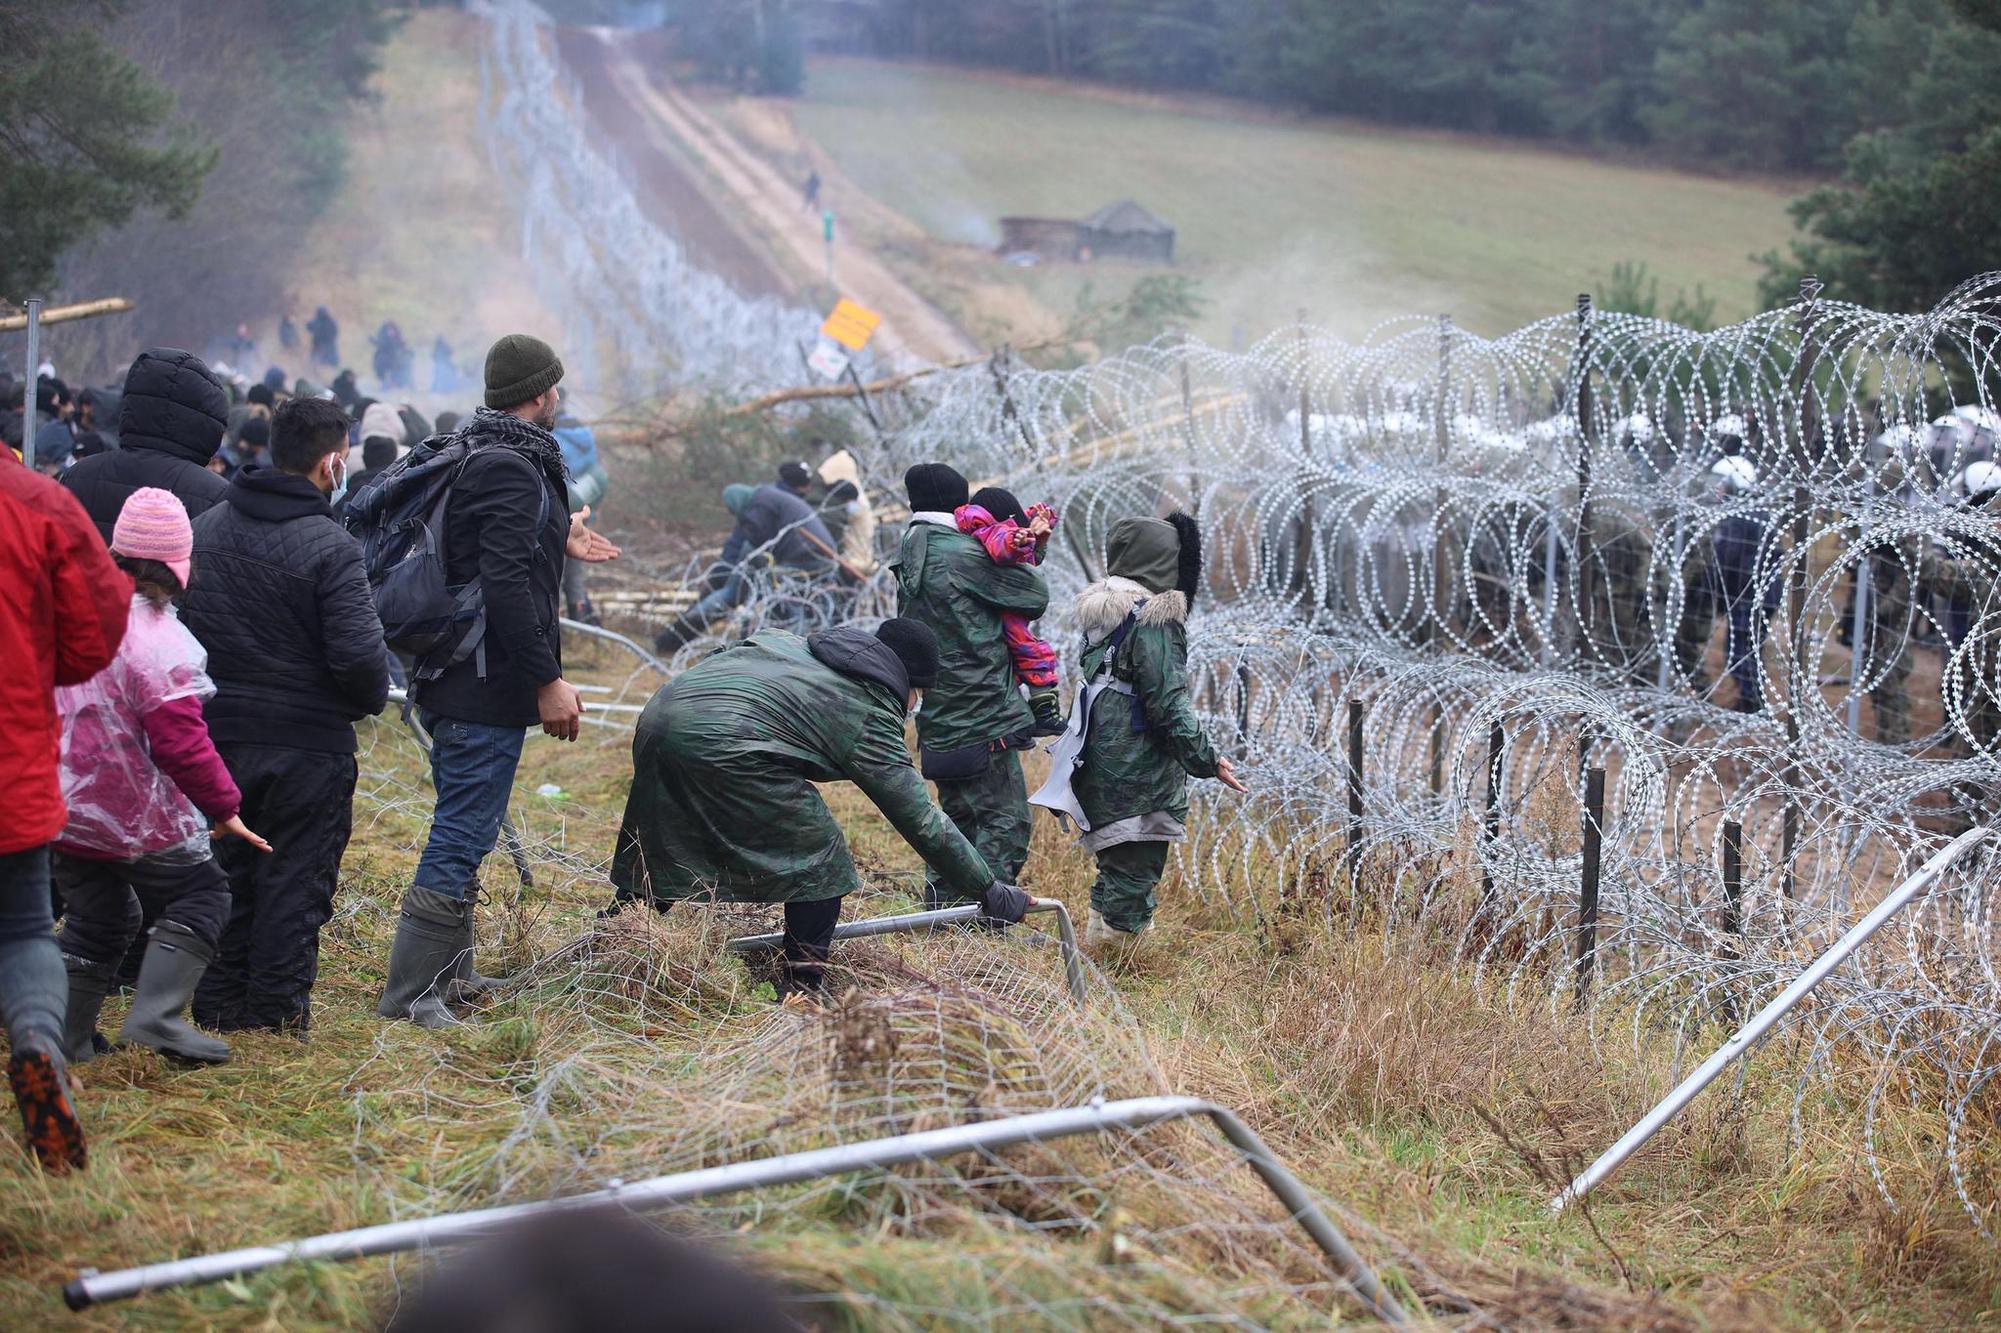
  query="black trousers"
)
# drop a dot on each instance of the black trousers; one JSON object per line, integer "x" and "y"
{"x": 302, "y": 803}
{"x": 809, "y": 937}
{"x": 103, "y": 900}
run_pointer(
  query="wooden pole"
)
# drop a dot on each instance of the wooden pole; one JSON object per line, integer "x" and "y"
{"x": 1587, "y": 901}
{"x": 63, "y": 314}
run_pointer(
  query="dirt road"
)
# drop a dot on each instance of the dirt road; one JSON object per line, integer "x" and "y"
{"x": 671, "y": 189}
{"x": 913, "y": 330}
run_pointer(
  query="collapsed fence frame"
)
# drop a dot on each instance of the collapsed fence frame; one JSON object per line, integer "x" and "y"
{"x": 90, "y": 1287}
{"x": 1766, "y": 1019}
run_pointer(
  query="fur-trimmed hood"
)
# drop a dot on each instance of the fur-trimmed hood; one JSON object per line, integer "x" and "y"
{"x": 1106, "y": 603}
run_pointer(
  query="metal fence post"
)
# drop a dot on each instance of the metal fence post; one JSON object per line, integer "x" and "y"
{"x": 1435, "y": 769}
{"x": 1490, "y": 827}
{"x": 33, "y": 305}
{"x": 1587, "y": 901}
{"x": 1733, "y": 902}
{"x": 1802, "y": 676}
{"x": 1355, "y": 841}
{"x": 1586, "y": 431}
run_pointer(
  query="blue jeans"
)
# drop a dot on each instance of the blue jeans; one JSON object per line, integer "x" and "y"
{"x": 34, "y": 988}
{"x": 472, "y": 769}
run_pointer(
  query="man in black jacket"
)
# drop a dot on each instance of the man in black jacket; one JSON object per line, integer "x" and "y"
{"x": 507, "y": 525}
{"x": 170, "y": 423}
{"x": 283, "y": 607}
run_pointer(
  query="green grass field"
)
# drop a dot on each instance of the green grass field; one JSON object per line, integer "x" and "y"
{"x": 1351, "y": 223}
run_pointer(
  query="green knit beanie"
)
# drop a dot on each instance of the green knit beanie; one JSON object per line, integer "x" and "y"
{"x": 520, "y": 367}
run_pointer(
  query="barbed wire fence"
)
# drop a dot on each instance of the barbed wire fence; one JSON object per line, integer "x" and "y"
{"x": 1736, "y": 573}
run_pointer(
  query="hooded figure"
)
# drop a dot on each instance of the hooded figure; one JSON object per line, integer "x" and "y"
{"x": 170, "y": 423}
{"x": 1135, "y": 743}
{"x": 724, "y": 761}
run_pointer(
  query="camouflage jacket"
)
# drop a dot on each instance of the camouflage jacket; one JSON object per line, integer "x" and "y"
{"x": 1131, "y": 769}
{"x": 724, "y": 758}
{"x": 946, "y": 579}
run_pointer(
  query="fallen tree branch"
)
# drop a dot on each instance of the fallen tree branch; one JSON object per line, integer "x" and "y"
{"x": 63, "y": 314}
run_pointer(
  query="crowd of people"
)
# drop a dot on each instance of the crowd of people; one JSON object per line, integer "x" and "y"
{"x": 204, "y": 641}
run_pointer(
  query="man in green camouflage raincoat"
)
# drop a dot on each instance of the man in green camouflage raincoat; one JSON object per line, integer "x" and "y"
{"x": 1140, "y": 738}
{"x": 724, "y": 761}
{"x": 974, "y": 721}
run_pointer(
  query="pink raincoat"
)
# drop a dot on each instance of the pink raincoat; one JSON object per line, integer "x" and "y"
{"x": 139, "y": 773}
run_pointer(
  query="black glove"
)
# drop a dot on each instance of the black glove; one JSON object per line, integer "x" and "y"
{"x": 1003, "y": 902}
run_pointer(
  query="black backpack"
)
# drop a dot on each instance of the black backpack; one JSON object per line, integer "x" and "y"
{"x": 399, "y": 519}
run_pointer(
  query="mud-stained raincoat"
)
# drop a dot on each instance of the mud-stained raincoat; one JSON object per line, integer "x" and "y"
{"x": 947, "y": 580}
{"x": 1143, "y": 746}
{"x": 724, "y": 761}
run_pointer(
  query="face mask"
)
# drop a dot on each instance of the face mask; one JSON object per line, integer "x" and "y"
{"x": 339, "y": 491}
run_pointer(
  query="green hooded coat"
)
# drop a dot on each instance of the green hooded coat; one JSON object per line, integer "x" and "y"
{"x": 724, "y": 761}
{"x": 947, "y": 580}
{"x": 1130, "y": 772}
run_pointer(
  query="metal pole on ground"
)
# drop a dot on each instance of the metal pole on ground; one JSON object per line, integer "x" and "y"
{"x": 911, "y": 922}
{"x": 1100, "y": 1117}
{"x": 1766, "y": 1019}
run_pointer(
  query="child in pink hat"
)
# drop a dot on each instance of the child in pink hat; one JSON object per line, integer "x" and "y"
{"x": 144, "y": 785}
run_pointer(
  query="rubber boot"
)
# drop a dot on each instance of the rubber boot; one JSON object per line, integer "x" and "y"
{"x": 468, "y": 983}
{"x": 88, "y": 983}
{"x": 49, "y": 1121}
{"x": 1106, "y": 940}
{"x": 422, "y": 957}
{"x": 175, "y": 960}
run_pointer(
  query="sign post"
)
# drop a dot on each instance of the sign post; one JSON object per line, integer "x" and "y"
{"x": 33, "y": 305}
{"x": 827, "y": 234}
{"x": 849, "y": 326}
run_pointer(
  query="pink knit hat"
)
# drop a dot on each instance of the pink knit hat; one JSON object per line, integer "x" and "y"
{"x": 153, "y": 525}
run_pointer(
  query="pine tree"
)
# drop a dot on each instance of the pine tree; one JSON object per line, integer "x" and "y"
{"x": 87, "y": 139}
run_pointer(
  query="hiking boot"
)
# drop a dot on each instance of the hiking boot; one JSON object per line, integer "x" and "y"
{"x": 88, "y": 982}
{"x": 426, "y": 948}
{"x": 48, "y": 1118}
{"x": 468, "y": 983}
{"x": 1048, "y": 712}
{"x": 175, "y": 960}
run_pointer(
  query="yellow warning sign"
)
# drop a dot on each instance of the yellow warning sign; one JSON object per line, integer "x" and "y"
{"x": 851, "y": 325}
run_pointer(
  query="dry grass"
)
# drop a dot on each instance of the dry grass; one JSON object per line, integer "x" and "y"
{"x": 1421, "y": 1101}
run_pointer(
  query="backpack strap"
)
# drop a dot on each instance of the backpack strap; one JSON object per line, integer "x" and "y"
{"x": 1115, "y": 642}
{"x": 473, "y": 642}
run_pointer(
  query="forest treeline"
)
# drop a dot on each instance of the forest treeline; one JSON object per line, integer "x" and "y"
{"x": 1894, "y": 105}
{"x": 1769, "y": 85}
{"x": 173, "y": 152}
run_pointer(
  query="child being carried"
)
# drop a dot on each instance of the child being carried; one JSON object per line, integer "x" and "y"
{"x": 1017, "y": 536}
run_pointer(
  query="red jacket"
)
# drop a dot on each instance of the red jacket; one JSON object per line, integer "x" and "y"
{"x": 62, "y": 613}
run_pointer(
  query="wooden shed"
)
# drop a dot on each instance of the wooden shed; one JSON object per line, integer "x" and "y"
{"x": 1123, "y": 230}
{"x": 1126, "y": 231}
